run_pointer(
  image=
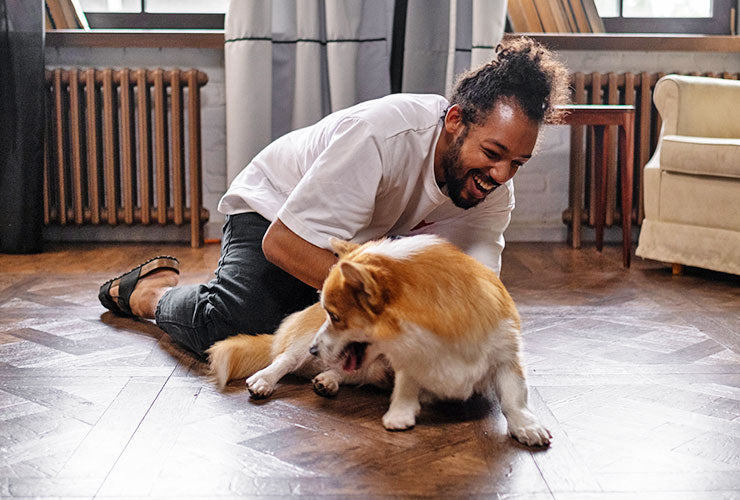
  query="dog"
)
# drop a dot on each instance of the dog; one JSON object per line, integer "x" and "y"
{"x": 441, "y": 321}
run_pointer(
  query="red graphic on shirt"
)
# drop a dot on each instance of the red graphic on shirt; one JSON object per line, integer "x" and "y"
{"x": 422, "y": 224}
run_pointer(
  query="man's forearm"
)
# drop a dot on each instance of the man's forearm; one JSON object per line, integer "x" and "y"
{"x": 293, "y": 254}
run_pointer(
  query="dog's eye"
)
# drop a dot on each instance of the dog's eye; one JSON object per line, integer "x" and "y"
{"x": 333, "y": 317}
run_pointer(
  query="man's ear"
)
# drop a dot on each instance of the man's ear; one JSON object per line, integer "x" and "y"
{"x": 341, "y": 247}
{"x": 453, "y": 119}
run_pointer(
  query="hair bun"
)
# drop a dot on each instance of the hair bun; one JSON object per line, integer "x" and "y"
{"x": 522, "y": 69}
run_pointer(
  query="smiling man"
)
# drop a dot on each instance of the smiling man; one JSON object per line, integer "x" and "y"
{"x": 403, "y": 164}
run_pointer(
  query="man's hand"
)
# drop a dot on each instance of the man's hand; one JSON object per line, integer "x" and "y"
{"x": 293, "y": 254}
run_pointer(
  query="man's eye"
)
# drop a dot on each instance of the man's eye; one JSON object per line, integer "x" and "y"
{"x": 491, "y": 154}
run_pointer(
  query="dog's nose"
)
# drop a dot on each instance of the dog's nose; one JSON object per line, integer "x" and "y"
{"x": 314, "y": 350}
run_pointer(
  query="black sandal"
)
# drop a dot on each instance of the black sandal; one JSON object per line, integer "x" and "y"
{"x": 127, "y": 282}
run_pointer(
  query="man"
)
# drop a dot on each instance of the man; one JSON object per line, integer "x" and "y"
{"x": 403, "y": 164}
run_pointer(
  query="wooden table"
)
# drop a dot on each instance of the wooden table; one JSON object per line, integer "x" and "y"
{"x": 600, "y": 117}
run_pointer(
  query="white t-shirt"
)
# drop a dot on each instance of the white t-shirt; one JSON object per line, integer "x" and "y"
{"x": 366, "y": 172}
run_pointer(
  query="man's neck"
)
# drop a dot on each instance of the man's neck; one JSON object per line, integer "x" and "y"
{"x": 443, "y": 143}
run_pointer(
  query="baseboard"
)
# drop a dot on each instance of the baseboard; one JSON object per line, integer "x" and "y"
{"x": 558, "y": 232}
{"x": 124, "y": 233}
{"x": 543, "y": 232}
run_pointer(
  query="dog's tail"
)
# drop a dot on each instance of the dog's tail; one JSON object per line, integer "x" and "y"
{"x": 238, "y": 357}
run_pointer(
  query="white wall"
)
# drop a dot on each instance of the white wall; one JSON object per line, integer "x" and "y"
{"x": 541, "y": 186}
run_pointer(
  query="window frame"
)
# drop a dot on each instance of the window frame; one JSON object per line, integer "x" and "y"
{"x": 154, "y": 20}
{"x": 718, "y": 24}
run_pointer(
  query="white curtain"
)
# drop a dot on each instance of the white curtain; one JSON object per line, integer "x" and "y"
{"x": 446, "y": 37}
{"x": 290, "y": 62}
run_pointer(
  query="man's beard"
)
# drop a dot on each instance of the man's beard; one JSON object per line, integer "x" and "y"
{"x": 454, "y": 180}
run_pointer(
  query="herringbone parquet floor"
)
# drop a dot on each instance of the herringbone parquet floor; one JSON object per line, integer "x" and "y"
{"x": 636, "y": 373}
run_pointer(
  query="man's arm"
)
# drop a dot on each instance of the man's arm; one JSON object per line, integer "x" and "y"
{"x": 293, "y": 254}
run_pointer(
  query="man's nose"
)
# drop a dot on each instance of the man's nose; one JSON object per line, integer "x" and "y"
{"x": 314, "y": 350}
{"x": 500, "y": 173}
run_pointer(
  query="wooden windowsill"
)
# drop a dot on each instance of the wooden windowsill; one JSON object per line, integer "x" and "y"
{"x": 214, "y": 39}
{"x": 638, "y": 42}
{"x": 203, "y": 39}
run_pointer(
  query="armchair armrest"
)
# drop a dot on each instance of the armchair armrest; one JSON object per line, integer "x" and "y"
{"x": 698, "y": 106}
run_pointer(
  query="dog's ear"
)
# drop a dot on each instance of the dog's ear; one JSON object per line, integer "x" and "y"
{"x": 357, "y": 276}
{"x": 341, "y": 247}
{"x": 364, "y": 286}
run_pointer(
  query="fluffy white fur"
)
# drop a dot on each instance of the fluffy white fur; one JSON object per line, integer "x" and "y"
{"x": 403, "y": 248}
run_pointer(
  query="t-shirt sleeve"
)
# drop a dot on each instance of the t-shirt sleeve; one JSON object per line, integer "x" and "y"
{"x": 336, "y": 196}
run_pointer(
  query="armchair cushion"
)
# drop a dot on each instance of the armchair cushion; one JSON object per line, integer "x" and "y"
{"x": 701, "y": 155}
{"x": 700, "y": 201}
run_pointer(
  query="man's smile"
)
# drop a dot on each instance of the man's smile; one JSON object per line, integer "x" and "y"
{"x": 480, "y": 185}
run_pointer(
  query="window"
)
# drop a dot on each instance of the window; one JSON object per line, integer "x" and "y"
{"x": 155, "y": 14}
{"x": 710, "y": 17}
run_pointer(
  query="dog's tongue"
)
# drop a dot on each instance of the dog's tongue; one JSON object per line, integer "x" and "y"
{"x": 350, "y": 363}
{"x": 355, "y": 352}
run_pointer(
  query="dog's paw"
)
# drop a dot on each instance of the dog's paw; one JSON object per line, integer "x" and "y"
{"x": 325, "y": 384}
{"x": 399, "y": 420}
{"x": 531, "y": 433}
{"x": 259, "y": 388}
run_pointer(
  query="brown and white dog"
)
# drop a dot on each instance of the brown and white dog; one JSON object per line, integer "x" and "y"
{"x": 443, "y": 321}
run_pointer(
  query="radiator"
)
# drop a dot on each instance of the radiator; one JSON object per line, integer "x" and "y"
{"x": 613, "y": 88}
{"x": 120, "y": 148}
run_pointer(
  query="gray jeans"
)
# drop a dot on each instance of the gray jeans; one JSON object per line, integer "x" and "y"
{"x": 247, "y": 295}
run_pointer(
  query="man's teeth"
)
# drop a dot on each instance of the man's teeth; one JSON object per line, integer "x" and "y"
{"x": 482, "y": 183}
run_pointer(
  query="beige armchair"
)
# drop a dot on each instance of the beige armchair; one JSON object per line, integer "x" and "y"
{"x": 692, "y": 182}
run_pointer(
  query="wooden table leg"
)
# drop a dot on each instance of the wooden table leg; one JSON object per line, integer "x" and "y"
{"x": 578, "y": 182}
{"x": 627, "y": 149}
{"x": 601, "y": 146}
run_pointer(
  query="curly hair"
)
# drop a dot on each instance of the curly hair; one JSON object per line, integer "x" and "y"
{"x": 522, "y": 69}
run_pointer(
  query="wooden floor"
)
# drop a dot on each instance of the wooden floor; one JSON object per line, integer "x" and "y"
{"x": 636, "y": 372}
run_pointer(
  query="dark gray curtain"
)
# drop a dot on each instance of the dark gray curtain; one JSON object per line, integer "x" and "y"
{"x": 21, "y": 125}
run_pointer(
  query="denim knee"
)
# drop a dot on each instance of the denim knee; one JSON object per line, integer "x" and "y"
{"x": 191, "y": 319}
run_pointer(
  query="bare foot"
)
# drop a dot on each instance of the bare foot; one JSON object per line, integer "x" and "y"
{"x": 148, "y": 291}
